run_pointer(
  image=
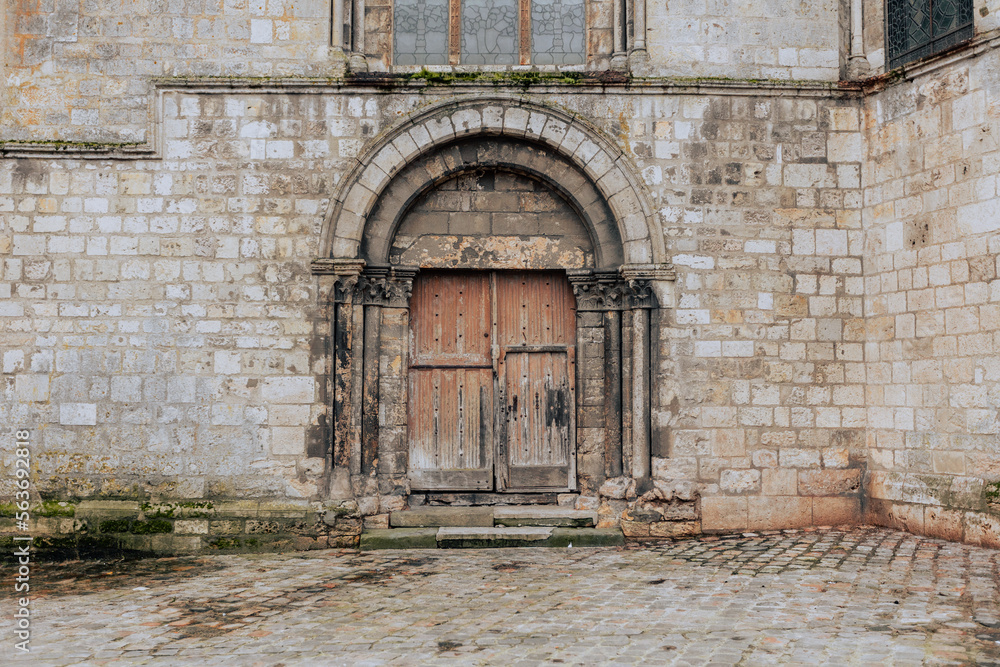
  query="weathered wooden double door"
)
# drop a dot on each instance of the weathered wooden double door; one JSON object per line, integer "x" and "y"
{"x": 491, "y": 382}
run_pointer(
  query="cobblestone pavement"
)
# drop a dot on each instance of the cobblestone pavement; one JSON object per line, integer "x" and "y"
{"x": 864, "y": 596}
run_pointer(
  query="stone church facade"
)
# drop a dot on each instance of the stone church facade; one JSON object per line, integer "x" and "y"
{"x": 272, "y": 270}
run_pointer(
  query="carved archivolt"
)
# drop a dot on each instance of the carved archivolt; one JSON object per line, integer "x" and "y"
{"x": 582, "y": 150}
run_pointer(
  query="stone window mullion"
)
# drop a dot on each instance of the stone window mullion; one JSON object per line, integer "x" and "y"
{"x": 524, "y": 32}
{"x": 454, "y": 32}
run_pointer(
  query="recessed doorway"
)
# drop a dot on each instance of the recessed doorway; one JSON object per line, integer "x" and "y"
{"x": 492, "y": 382}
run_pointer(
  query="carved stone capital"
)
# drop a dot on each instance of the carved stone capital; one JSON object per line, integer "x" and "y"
{"x": 640, "y": 293}
{"x": 345, "y": 273}
{"x": 388, "y": 287}
{"x": 598, "y": 290}
{"x": 649, "y": 284}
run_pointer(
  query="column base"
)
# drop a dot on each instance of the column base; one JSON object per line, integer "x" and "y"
{"x": 638, "y": 62}
{"x": 858, "y": 68}
{"x": 357, "y": 62}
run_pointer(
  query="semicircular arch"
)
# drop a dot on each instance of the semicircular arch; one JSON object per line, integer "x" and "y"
{"x": 566, "y": 151}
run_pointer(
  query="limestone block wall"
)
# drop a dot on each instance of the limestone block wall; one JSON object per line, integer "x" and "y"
{"x": 754, "y": 39}
{"x": 162, "y": 331}
{"x": 932, "y": 225}
{"x": 492, "y": 220}
{"x": 834, "y": 309}
{"x": 81, "y": 71}
{"x": 761, "y": 391}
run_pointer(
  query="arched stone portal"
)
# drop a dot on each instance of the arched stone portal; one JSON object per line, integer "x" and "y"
{"x": 600, "y": 235}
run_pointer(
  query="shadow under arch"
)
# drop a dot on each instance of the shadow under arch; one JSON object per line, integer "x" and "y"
{"x": 491, "y": 154}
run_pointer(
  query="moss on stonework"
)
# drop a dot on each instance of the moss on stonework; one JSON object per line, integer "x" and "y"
{"x": 194, "y": 510}
{"x": 47, "y": 508}
{"x": 230, "y": 543}
{"x": 136, "y": 527}
{"x": 517, "y": 79}
{"x": 54, "y": 508}
{"x": 224, "y": 543}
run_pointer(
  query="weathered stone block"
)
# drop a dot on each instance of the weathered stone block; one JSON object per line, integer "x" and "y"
{"x": 720, "y": 514}
{"x": 834, "y": 511}
{"x": 778, "y": 512}
{"x": 829, "y": 482}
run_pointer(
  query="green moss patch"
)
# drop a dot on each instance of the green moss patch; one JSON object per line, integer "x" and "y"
{"x": 54, "y": 508}
{"x": 192, "y": 510}
{"x": 136, "y": 526}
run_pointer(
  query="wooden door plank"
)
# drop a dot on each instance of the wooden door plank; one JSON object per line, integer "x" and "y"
{"x": 450, "y": 412}
{"x": 536, "y": 330}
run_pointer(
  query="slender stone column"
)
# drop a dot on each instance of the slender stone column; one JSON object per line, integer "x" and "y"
{"x": 343, "y": 350}
{"x": 640, "y": 394}
{"x": 643, "y": 295}
{"x": 601, "y": 293}
{"x": 638, "y": 58}
{"x": 613, "y": 393}
{"x": 337, "y": 25}
{"x": 619, "y": 55}
{"x": 639, "y": 25}
{"x": 370, "y": 391}
{"x": 378, "y": 288}
{"x": 857, "y": 62}
{"x": 358, "y": 26}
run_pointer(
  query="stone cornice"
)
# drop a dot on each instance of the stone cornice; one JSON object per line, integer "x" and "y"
{"x": 406, "y": 83}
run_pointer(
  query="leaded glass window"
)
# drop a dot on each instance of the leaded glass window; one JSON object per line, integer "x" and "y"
{"x": 919, "y": 28}
{"x": 557, "y": 32}
{"x": 489, "y": 32}
{"x": 420, "y": 36}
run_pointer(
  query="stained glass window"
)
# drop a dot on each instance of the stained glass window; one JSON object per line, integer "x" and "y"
{"x": 420, "y": 32}
{"x": 919, "y": 28}
{"x": 489, "y": 32}
{"x": 557, "y": 32}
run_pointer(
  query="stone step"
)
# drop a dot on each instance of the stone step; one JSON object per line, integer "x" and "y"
{"x": 478, "y": 537}
{"x": 502, "y": 536}
{"x": 513, "y": 516}
{"x": 544, "y": 516}
{"x": 442, "y": 516}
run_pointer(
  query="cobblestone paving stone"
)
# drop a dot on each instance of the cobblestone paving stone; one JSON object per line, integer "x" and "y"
{"x": 830, "y": 597}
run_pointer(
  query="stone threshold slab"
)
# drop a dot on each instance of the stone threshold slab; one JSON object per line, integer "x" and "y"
{"x": 472, "y": 537}
{"x": 544, "y": 516}
{"x": 525, "y": 534}
{"x": 442, "y": 516}
{"x": 512, "y": 516}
